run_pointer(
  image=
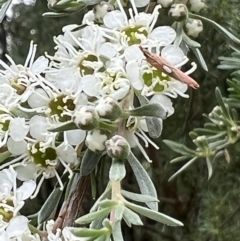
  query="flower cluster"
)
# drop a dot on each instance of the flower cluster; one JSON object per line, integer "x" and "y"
{"x": 51, "y": 106}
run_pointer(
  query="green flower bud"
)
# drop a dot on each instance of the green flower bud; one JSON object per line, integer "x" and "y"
{"x": 193, "y": 27}
{"x": 196, "y": 5}
{"x": 117, "y": 147}
{"x": 100, "y": 10}
{"x": 108, "y": 108}
{"x": 178, "y": 12}
{"x": 86, "y": 118}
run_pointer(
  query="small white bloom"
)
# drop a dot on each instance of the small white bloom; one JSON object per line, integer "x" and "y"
{"x": 95, "y": 140}
{"x": 196, "y": 5}
{"x": 193, "y": 27}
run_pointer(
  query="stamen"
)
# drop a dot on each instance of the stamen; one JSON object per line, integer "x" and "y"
{"x": 134, "y": 7}
{"x": 67, "y": 168}
{"x": 38, "y": 187}
{"x": 29, "y": 54}
{"x": 194, "y": 67}
{"x": 141, "y": 149}
{"x": 122, "y": 10}
{"x": 59, "y": 180}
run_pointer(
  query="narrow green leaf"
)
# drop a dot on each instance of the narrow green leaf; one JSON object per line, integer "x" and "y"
{"x": 132, "y": 217}
{"x": 221, "y": 103}
{"x": 4, "y": 156}
{"x": 139, "y": 197}
{"x": 209, "y": 166}
{"x": 117, "y": 170}
{"x": 183, "y": 168}
{"x": 85, "y": 232}
{"x": 105, "y": 194}
{"x": 180, "y": 158}
{"x": 200, "y": 58}
{"x": 4, "y": 9}
{"x": 88, "y": 218}
{"x": 117, "y": 232}
{"x": 217, "y": 27}
{"x": 159, "y": 217}
{"x": 89, "y": 162}
{"x": 65, "y": 127}
{"x": 50, "y": 205}
{"x": 144, "y": 181}
{"x": 152, "y": 110}
{"x": 118, "y": 213}
{"x": 190, "y": 43}
{"x": 108, "y": 203}
{"x": 154, "y": 126}
{"x": 179, "y": 148}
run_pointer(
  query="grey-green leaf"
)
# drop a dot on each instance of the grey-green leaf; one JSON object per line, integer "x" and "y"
{"x": 94, "y": 215}
{"x": 144, "y": 181}
{"x": 200, "y": 58}
{"x": 154, "y": 126}
{"x": 85, "y": 232}
{"x": 131, "y": 217}
{"x": 117, "y": 232}
{"x": 89, "y": 162}
{"x": 139, "y": 197}
{"x": 159, "y": 217}
{"x": 117, "y": 170}
{"x": 152, "y": 110}
{"x": 179, "y": 148}
{"x": 65, "y": 127}
{"x": 4, "y": 9}
{"x": 50, "y": 205}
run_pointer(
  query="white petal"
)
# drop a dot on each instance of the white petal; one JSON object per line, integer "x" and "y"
{"x": 38, "y": 126}
{"x": 26, "y": 190}
{"x": 39, "y": 65}
{"x": 173, "y": 54}
{"x": 67, "y": 153}
{"x": 163, "y": 34}
{"x": 108, "y": 50}
{"x": 133, "y": 52}
{"x": 75, "y": 137}
{"x": 114, "y": 20}
{"x": 17, "y": 129}
{"x": 88, "y": 83}
{"x": 141, "y": 3}
{"x": 17, "y": 147}
{"x": 95, "y": 140}
{"x": 181, "y": 87}
{"x": 165, "y": 102}
{"x": 8, "y": 177}
{"x": 39, "y": 98}
{"x": 25, "y": 173}
{"x": 132, "y": 69}
{"x": 122, "y": 91}
{"x": 17, "y": 226}
{"x": 4, "y": 236}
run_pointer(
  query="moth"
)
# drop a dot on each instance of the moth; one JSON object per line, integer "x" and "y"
{"x": 164, "y": 66}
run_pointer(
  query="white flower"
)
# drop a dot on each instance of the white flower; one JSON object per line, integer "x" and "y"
{"x": 11, "y": 201}
{"x": 138, "y": 29}
{"x": 95, "y": 140}
{"x": 22, "y": 78}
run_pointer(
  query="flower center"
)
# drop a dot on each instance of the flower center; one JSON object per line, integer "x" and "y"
{"x": 135, "y": 34}
{"x": 6, "y": 214}
{"x": 18, "y": 86}
{"x": 42, "y": 156}
{"x": 4, "y": 124}
{"x": 60, "y": 105}
{"x": 85, "y": 66}
{"x": 155, "y": 79}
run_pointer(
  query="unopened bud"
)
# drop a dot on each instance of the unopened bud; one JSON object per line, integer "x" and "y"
{"x": 95, "y": 140}
{"x": 193, "y": 27}
{"x": 100, "y": 10}
{"x": 165, "y": 3}
{"x": 86, "y": 118}
{"x": 118, "y": 147}
{"x": 178, "y": 12}
{"x": 108, "y": 108}
{"x": 196, "y": 5}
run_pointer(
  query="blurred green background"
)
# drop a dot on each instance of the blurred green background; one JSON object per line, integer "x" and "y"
{"x": 210, "y": 210}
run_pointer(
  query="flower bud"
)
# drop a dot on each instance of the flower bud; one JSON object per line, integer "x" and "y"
{"x": 86, "y": 118}
{"x": 165, "y": 3}
{"x": 100, "y": 10}
{"x": 178, "y": 12}
{"x": 95, "y": 140}
{"x": 108, "y": 108}
{"x": 118, "y": 147}
{"x": 196, "y": 5}
{"x": 193, "y": 27}
{"x": 201, "y": 142}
